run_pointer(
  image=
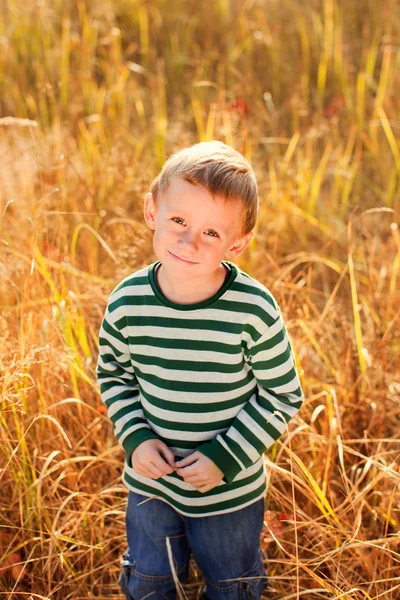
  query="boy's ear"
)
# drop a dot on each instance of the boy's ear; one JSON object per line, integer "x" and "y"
{"x": 239, "y": 245}
{"x": 149, "y": 211}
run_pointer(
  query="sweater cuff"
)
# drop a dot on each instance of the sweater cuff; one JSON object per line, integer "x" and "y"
{"x": 132, "y": 441}
{"x": 222, "y": 458}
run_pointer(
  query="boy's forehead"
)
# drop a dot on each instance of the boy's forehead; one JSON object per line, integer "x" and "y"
{"x": 178, "y": 187}
{"x": 180, "y": 191}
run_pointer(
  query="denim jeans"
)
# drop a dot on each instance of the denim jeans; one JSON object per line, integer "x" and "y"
{"x": 225, "y": 547}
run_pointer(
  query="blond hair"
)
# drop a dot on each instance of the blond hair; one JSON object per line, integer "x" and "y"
{"x": 217, "y": 168}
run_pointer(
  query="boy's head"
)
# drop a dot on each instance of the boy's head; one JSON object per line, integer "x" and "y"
{"x": 217, "y": 168}
{"x": 202, "y": 208}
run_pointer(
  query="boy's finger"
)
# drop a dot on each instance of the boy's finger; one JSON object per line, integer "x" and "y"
{"x": 161, "y": 464}
{"x": 189, "y": 460}
{"x": 156, "y": 467}
{"x": 168, "y": 455}
{"x": 196, "y": 479}
{"x": 204, "y": 488}
{"x": 189, "y": 471}
{"x": 148, "y": 471}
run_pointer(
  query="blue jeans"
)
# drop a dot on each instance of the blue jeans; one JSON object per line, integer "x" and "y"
{"x": 225, "y": 547}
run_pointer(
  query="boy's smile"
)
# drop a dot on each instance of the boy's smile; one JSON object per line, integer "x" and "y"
{"x": 185, "y": 260}
{"x": 193, "y": 233}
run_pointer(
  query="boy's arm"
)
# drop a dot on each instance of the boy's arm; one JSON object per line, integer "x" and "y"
{"x": 119, "y": 388}
{"x": 265, "y": 415}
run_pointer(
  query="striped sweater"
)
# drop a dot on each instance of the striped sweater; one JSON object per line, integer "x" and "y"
{"x": 218, "y": 376}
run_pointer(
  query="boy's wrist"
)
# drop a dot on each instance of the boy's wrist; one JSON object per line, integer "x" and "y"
{"x": 131, "y": 442}
{"x": 222, "y": 458}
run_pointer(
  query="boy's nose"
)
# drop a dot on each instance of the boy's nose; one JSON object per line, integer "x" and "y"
{"x": 189, "y": 240}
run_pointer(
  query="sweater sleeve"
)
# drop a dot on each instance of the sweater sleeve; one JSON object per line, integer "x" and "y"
{"x": 264, "y": 417}
{"x": 119, "y": 388}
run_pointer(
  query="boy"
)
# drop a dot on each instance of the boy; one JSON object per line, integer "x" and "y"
{"x": 198, "y": 375}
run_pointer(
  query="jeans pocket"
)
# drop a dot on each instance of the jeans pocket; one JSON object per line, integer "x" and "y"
{"x": 137, "y": 585}
{"x": 251, "y": 590}
{"x": 123, "y": 583}
{"x": 249, "y": 586}
{"x": 126, "y": 564}
{"x": 253, "y": 583}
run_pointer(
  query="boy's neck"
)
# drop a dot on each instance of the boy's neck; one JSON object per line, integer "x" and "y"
{"x": 183, "y": 291}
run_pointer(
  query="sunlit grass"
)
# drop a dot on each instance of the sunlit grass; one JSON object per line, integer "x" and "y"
{"x": 93, "y": 97}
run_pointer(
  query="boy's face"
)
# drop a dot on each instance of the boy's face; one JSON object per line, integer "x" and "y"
{"x": 193, "y": 231}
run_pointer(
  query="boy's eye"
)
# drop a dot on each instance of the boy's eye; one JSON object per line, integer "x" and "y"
{"x": 212, "y": 233}
{"x": 178, "y": 220}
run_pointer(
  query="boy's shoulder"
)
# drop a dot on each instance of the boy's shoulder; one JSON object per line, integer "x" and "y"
{"x": 137, "y": 278}
{"x": 135, "y": 284}
{"x": 249, "y": 290}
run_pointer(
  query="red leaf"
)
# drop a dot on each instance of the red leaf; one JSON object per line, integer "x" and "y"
{"x": 10, "y": 562}
{"x": 334, "y": 106}
{"x": 239, "y": 106}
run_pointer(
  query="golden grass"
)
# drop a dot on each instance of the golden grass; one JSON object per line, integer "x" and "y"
{"x": 93, "y": 97}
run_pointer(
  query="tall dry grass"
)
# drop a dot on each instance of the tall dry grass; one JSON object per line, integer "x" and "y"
{"x": 93, "y": 97}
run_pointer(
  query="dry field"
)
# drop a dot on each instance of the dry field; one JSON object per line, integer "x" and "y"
{"x": 94, "y": 95}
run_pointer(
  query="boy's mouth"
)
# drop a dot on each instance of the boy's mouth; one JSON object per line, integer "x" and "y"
{"x": 184, "y": 260}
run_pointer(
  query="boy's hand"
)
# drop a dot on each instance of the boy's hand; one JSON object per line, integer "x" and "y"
{"x": 153, "y": 459}
{"x": 200, "y": 471}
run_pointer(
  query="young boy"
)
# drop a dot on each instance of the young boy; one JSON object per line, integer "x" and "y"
{"x": 198, "y": 375}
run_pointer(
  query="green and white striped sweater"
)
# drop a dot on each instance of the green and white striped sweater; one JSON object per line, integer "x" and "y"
{"x": 218, "y": 376}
